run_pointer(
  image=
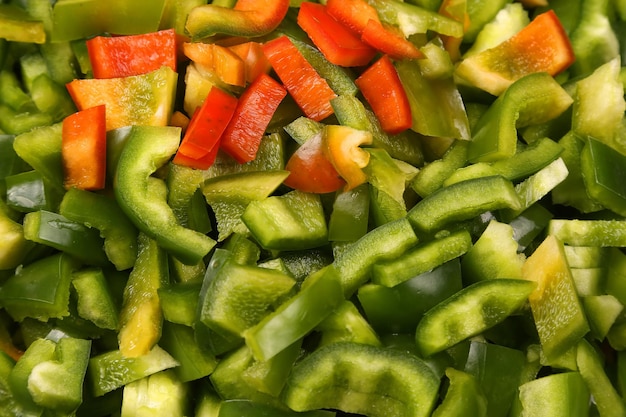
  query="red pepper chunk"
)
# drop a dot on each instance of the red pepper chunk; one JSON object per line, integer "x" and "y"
{"x": 83, "y": 149}
{"x": 199, "y": 146}
{"x": 255, "y": 109}
{"x": 383, "y": 90}
{"x": 311, "y": 171}
{"x": 388, "y": 41}
{"x": 310, "y": 90}
{"x": 337, "y": 42}
{"x": 121, "y": 56}
{"x": 353, "y": 13}
{"x": 362, "y": 18}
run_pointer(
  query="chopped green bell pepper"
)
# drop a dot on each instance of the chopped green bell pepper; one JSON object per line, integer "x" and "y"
{"x": 147, "y": 148}
{"x": 469, "y": 312}
{"x": 399, "y": 309}
{"x": 320, "y": 294}
{"x": 104, "y": 214}
{"x": 54, "y": 230}
{"x": 362, "y": 379}
{"x": 532, "y": 99}
{"x": 40, "y": 290}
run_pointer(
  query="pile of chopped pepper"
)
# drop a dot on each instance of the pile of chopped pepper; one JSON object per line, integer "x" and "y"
{"x": 324, "y": 208}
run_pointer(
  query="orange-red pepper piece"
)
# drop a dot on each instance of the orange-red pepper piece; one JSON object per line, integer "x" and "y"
{"x": 83, "y": 149}
{"x": 309, "y": 90}
{"x": 383, "y": 90}
{"x": 337, "y": 42}
{"x": 200, "y": 143}
{"x": 121, "y": 56}
{"x": 255, "y": 109}
{"x": 311, "y": 171}
{"x": 220, "y": 60}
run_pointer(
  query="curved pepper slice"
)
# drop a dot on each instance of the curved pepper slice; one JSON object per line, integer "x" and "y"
{"x": 469, "y": 312}
{"x": 341, "y": 144}
{"x": 362, "y": 379}
{"x": 249, "y": 18}
{"x": 146, "y": 149}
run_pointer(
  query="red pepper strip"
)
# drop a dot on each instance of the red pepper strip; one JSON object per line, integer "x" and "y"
{"x": 338, "y": 43}
{"x": 249, "y": 18}
{"x": 121, "y": 56}
{"x": 388, "y": 41}
{"x": 223, "y": 62}
{"x": 311, "y": 171}
{"x": 199, "y": 146}
{"x": 251, "y": 53}
{"x": 83, "y": 149}
{"x": 310, "y": 91}
{"x": 542, "y": 46}
{"x": 353, "y": 13}
{"x": 254, "y": 111}
{"x": 383, "y": 90}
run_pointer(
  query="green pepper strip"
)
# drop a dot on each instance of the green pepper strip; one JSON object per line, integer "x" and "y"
{"x": 463, "y": 200}
{"x": 147, "y": 148}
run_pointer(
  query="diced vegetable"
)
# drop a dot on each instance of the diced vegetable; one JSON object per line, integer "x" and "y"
{"x": 301, "y": 208}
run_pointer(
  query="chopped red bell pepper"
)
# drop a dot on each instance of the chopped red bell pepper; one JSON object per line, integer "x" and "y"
{"x": 199, "y": 146}
{"x": 362, "y": 18}
{"x": 223, "y": 62}
{"x": 83, "y": 149}
{"x": 310, "y": 90}
{"x": 383, "y": 90}
{"x": 388, "y": 41}
{"x": 121, "y": 56}
{"x": 337, "y": 42}
{"x": 353, "y": 13}
{"x": 254, "y": 111}
{"x": 311, "y": 171}
{"x": 251, "y": 53}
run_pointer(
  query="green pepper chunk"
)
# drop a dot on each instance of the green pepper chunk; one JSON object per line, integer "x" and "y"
{"x": 464, "y": 396}
{"x": 291, "y": 221}
{"x": 563, "y": 394}
{"x": 362, "y": 379}
{"x": 84, "y": 18}
{"x": 69, "y": 365}
{"x": 147, "y": 148}
{"x": 30, "y": 191}
{"x": 40, "y": 290}
{"x": 498, "y": 371}
{"x": 321, "y": 293}
{"x": 399, "y": 309}
{"x": 469, "y": 312}
{"x": 603, "y": 172}
{"x": 421, "y": 259}
{"x": 111, "y": 370}
{"x": 462, "y": 201}
{"x": 61, "y": 233}
{"x": 18, "y": 26}
{"x": 103, "y": 213}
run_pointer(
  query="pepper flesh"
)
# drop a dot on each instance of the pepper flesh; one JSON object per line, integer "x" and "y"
{"x": 249, "y": 18}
